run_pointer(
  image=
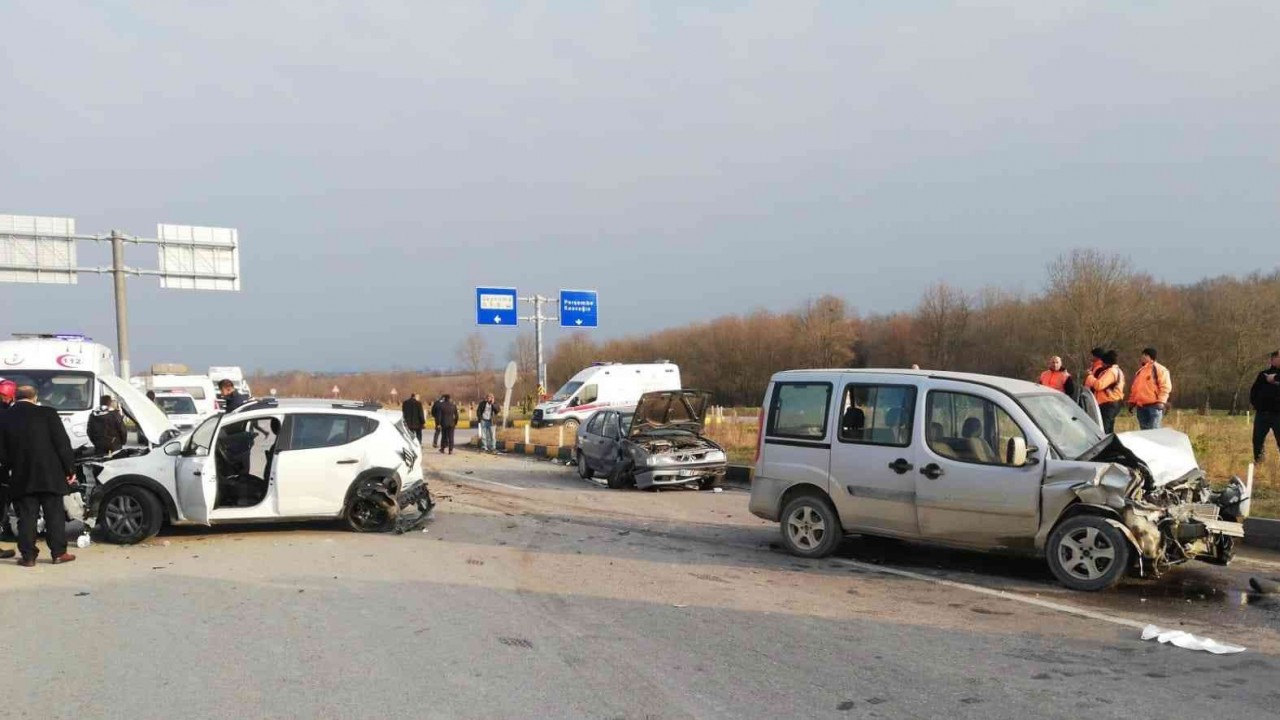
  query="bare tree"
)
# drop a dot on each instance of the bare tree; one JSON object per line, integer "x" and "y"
{"x": 942, "y": 321}
{"x": 474, "y": 358}
{"x": 525, "y": 352}
{"x": 826, "y": 334}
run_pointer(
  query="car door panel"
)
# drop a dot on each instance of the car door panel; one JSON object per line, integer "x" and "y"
{"x": 196, "y": 479}
{"x": 313, "y": 481}
{"x": 965, "y": 493}
{"x": 872, "y": 474}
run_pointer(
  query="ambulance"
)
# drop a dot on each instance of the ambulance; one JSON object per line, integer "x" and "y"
{"x": 65, "y": 370}
{"x": 613, "y": 385}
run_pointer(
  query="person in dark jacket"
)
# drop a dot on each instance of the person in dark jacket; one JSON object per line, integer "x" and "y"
{"x": 106, "y": 427}
{"x": 35, "y": 448}
{"x": 447, "y": 421}
{"x": 414, "y": 417}
{"x": 7, "y": 390}
{"x": 1265, "y": 397}
{"x": 435, "y": 418}
{"x": 231, "y": 398}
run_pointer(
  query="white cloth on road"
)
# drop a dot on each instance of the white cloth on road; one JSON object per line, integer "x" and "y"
{"x": 1188, "y": 641}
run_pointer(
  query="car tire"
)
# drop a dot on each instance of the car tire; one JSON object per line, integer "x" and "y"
{"x": 1087, "y": 553}
{"x": 621, "y": 476}
{"x": 584, "y": 471}
{"x": 571, "y": 428}
{"x": 130, "y": 515}
{"x": 710, "y": 483}
{"x": 810, "y": 527}
{"x": 370, "y": 514}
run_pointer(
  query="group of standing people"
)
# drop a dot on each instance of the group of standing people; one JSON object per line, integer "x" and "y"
{"x": 444, "y": 412}
{"x": 37, "y": 470}
{"x": 1148, "y": 395}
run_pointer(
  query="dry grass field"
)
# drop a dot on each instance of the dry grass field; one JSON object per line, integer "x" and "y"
{"x": 1222, "y": 446}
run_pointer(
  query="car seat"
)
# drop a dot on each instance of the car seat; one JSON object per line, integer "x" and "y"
{"x": 975, "y": 444}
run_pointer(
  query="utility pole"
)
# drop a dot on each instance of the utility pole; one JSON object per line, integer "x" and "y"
{"x": 538, "y": 319}
{"x": 43, "y": 250}
{"x": 122, "y": 303}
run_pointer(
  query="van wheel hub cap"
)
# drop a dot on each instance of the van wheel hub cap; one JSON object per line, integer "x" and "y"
{"x": 1086, "y": 553}
{"x": 806, "y": 528}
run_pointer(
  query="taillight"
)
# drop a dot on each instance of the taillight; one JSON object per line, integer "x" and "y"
{"x": 759, "y": 434}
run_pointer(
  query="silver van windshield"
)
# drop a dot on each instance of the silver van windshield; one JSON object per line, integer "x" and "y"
{"x": 1066, "y": 424}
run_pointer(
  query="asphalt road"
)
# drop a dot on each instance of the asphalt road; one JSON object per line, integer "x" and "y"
{"x": 536, "y": 594}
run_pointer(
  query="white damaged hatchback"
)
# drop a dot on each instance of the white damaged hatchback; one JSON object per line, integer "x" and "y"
{"x": 269, "y": 461}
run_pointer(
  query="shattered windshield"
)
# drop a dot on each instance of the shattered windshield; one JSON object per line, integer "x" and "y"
{"x": 1068, "y": 426}
{"x": 567, "y": 391}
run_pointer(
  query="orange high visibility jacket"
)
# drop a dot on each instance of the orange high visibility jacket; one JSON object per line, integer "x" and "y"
{"x": 1107, "y": 385}
{"x": 1151, "y": 384}
{"x": 1055, "y": 379}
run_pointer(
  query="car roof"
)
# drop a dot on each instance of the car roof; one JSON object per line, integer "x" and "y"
{"x": 171, "y": 393}
{"x": 310, "y": 405}
{"x": 1012, "y": 386}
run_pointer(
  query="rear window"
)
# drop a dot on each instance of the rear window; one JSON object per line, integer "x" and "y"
{"x": 317, "y": 431}
{"x": 799, "y": 410}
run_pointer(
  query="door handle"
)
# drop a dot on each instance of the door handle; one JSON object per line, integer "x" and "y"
{"x": 900, "y": 466}
{"x": 197, "y": 473}
{"x": 933, "y": 471}
{"x": 349, "y": 461}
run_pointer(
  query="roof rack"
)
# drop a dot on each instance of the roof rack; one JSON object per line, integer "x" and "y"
{"x": 52, "y": 336}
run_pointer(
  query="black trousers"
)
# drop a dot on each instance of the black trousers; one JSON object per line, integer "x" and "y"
{"x": 1109, "y": 412}
{"x": 435, "y": 439}
{"x": 55, "y": 523}
{"x": 417, "y": 432}
{"x": 446, "y": 439}
{"x": 1264, "y": 423}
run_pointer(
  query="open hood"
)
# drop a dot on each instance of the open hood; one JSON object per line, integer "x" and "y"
{"x": 1167, "y": 454}
{"x": 151, "y": 420}
{"x": 682, "y": 409}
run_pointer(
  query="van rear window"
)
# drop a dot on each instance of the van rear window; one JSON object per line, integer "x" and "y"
{"x": 799, "y": 410}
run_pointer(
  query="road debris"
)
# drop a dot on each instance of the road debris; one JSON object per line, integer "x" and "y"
{"x": 1263, "y": 586}
{"x": 1187, "y": 641}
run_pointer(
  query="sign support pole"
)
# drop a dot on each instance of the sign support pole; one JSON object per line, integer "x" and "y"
{"x": 538, "y": 319}
{"x": 122, "y": 302}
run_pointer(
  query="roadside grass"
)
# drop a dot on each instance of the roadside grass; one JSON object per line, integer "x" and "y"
{"x": 1222, "y": 444}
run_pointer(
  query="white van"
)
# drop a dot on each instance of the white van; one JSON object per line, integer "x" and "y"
{"x": 218, "y": 373}
{"x": 176, "y": 378}
{"x": 604, "y": 385}
{"x": 64, "y": 370}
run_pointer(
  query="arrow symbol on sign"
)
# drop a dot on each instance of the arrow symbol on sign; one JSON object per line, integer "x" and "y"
{"x": 497, "y": 319}
{"x": 579, "y": 321}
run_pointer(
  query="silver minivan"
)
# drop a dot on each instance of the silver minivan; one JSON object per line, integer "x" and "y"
{"x": 987, "y": 463}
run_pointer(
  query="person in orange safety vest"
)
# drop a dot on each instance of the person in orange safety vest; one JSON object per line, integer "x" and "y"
{"x": 1106, "y": 381}
{"x": 1058, "y": 378}
{"x": 1149, "y": 393}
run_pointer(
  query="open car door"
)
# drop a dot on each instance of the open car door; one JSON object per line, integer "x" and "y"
{"x": 196, "y": 473}
{"x": 1090, "y": 405}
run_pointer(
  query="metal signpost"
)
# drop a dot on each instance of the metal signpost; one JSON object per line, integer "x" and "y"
{"x": 43, "y": 250}
{"x": 509, "y": 381}
{"x": 496, "y": 307}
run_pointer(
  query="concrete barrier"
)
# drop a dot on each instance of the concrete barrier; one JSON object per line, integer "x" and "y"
{"x": 1262, "y": 532}
{"x": 550, "y": 452}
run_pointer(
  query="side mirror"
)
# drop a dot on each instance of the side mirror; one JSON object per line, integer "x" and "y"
{"x": 1016, "y": 452}
{"x": 173, "y": 449}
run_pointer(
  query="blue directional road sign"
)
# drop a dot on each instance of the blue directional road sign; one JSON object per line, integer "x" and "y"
{"x": 496, "y": 307}
{"x": 579, "y": 309}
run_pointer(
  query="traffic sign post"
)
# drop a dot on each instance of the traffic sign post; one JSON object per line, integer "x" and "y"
{"x": 579, "y": 309}
{"x": 42, "y": 250}
{"x": 496, "y": 307}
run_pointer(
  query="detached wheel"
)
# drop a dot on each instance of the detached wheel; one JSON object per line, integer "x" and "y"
{"x": 367, "y": 514}
{"x": 584, "y": 471}
{"x": 130, "y": 515}
{"x": 811, "y": 527}
{"x": 1087, "y": 553}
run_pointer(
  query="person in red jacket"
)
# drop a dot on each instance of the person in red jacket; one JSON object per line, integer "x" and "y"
{"x": 1106, "y": 381}
{"x": 1058, "y": 378}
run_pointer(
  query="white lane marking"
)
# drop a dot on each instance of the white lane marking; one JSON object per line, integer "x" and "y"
{"x": 465, "y": 478}
{"x": 1016, "y": 597}
{"x": 1256, "y": 562}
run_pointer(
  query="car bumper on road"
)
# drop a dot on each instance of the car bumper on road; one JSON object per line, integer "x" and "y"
{"x": 679, "y": 475}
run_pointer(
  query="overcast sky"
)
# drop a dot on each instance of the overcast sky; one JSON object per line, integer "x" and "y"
{"x": 381, "y": 159}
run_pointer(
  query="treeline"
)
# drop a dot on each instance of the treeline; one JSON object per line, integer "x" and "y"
{"x": 1214, "y": 335}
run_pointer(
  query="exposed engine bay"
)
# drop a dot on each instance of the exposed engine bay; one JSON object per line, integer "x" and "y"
{"x": 1162, "y": 501}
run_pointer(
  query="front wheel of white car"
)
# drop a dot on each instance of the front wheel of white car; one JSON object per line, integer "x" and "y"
{"x": 130, "y": 515}
{"x": 1088, "y": 553}
{"x": 571, "y": 428}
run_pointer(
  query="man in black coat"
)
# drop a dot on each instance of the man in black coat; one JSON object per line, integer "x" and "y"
{"x": 231, "y": 398}
{"x": 106, "y": 427}
{"x": 435, "y": 416}
{"x": 7, "y": 390}
{"x": 414, "y": 417}
{"x": 1265, "y": 397}
{"x": 37, "y": 452}
{"x": 447, "y": 421}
